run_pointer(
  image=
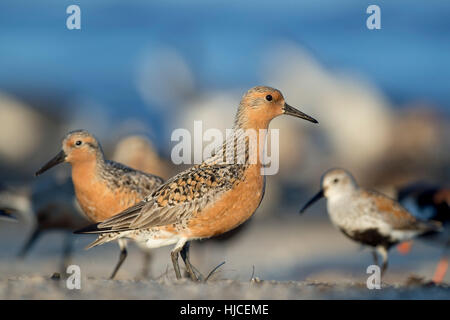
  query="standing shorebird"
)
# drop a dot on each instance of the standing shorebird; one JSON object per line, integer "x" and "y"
{"x": 102, "y": 187}
{"x": 368, "y": 217}
{"x": 208, "y": 199}
{"x": 430, "y": 202}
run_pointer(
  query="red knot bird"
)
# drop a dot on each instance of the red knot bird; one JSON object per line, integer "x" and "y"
{"x": 207, "y": 199}
{"x": 368, "y": 217}
{"x": 430, "y": 202}
{"x": 103, "y": 188}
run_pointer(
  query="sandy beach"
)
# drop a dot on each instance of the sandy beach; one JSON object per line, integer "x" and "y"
{"x": 298, "y": 258}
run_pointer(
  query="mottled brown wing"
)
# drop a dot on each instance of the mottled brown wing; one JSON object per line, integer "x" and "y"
{"x": 394, "y": 214}
{"x": 179, "y": 198}
{"x": 121, "y": 176}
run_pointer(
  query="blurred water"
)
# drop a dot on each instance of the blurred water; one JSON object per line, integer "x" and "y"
{"x": 222, "y": 41}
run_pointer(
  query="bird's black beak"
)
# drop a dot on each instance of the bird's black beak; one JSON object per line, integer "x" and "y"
{"x": 60, "y": 157}
{"x": 287, "y": 109}
{"x": 318, "y": 196}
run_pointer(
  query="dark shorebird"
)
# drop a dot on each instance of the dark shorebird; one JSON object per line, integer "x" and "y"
{"x": 431, "y": 202}
{"x": 368, "y": 217}
{"x": 208, "y": 199}
{"x": 103, "y": 188}
{"x": 47, "y": 205}
{"x": 54, "y": 209}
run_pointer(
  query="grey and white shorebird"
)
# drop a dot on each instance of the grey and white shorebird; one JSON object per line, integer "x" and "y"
{"x": 368, "y": 217}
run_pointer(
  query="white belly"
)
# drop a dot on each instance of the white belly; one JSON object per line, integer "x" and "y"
{"x": 150, "y": 240}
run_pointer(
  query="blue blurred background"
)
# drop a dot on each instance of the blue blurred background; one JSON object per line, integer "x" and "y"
{"x": 149, "y": 67}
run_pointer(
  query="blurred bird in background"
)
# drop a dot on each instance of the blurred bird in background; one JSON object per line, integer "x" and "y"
{"x": 368, "y": 217}
{"x": 138, "y": 152}
{"x": 430, "y": 202}
{"x": 47, "y": 205}
{"x": 53, "y": 208}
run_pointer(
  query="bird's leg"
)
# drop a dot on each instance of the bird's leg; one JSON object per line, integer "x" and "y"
{"x": 30, "y": 242}
{"x": 174, "y": 254}
{"x": 123, "y": 256}
{"x": 382, "y": 250}
{"x": 375, "y": 257}
{"x": 67, "y": 252}
{"x": 147, "y": 258}
{"x": 192, "y": 271}
{"x": 176, "y": 267}
{"x": 441, "y": 268}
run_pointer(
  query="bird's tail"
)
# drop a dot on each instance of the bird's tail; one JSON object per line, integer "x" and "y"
{"x": 104, "y": 238}
{"x": 431, "y": 227}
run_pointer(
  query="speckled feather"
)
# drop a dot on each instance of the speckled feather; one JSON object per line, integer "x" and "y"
{"x": 180, "y": 198}
{"x": 119, "y": 176}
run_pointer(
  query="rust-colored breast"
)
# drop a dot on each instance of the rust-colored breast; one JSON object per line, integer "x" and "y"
{"x": 98, "y": 201}
{"x": 232, "y": 209}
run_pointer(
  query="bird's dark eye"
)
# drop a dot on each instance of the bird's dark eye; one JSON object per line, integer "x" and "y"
{"x": 78, "y": 142}
{"x": 269, "y": 97}
{"x": 336, "y": 180}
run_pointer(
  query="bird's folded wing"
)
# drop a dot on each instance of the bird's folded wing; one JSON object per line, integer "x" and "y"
{"x": 179, "y": 198}
{"x": 123, "y": 176}
{"x": 394, "y": 214}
